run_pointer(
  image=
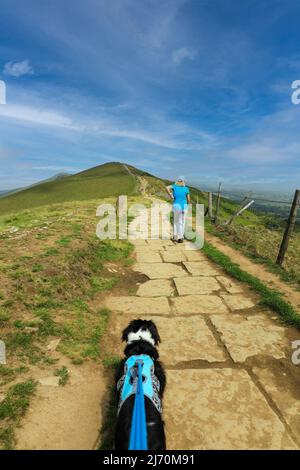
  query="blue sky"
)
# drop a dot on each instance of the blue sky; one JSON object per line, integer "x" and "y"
{"x": 194, "y": 87}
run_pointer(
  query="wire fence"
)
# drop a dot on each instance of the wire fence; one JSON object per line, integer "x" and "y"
{"x": 266, "y": 205}
{"x": 253, "y": 196}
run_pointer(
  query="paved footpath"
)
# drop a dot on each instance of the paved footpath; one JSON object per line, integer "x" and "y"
{"x": 230, "y": 380}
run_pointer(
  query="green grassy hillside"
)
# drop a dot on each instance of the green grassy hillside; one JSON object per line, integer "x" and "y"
{"x": 54, "y": 276}
{"x": 110, "y": 179}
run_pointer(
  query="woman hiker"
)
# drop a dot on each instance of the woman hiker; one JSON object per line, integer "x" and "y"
{"x": 180, "y": 194}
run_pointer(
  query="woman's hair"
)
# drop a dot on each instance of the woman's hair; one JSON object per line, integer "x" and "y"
{"x": 180, "y": 180}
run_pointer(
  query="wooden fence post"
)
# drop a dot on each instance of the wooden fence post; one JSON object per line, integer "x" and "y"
{"x": 210, "y": 209}
{"x": 289, "y": 228}
{"x": 218, "y": 203}
{"x": 241, "y": 209}
{"x": 229, "y": 221}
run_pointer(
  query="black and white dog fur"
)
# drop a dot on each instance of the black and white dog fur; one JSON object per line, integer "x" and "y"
{"x": 141, "y": 337}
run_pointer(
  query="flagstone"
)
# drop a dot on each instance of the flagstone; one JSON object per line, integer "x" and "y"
{"x": 191, "y": 304}
{"x": 201, "y": 268}
{"x": 159, "y": 242}
{"x": 238, "y": 301}
{"x": 137, "y": 242}
{"x": 160, "y": 270}
{"x": 284, "y": 390}
{"x": 173, "y": 257}
{"x": 187, "y": 339}
{"x": 192, "y": 255}
{"x": 231, "y": 286}
{"x": 148, "y": 257}
{"x": 220, "y": 409}
{"x": 196, "y": 285}
{"x": 138, "y": 305}
{"x": 251, "y": 336}
{"x": 156, "y": 288}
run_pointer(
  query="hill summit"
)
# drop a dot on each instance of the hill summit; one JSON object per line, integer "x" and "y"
{"x": 109, "y": 179}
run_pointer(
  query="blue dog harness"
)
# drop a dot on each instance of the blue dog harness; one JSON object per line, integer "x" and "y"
{"x": 139, "y": 380}
{"x": 128, "y": 382}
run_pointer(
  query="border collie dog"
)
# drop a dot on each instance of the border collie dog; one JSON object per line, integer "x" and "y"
{"x": 142, "y": 338}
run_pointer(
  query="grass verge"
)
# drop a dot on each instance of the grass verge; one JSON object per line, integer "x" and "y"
{"x": 12, "y": 408}
{"x": 237, "y": 239}
{"x": 269, "y": 297}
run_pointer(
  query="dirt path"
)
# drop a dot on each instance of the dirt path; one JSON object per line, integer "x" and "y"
{"x": 257, "y": 270}
{"x": 230, "y": 380}
{"x": 65, "y": 417}
{"x": 143, "y": 186}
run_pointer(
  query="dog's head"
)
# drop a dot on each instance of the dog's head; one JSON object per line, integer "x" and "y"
{"x": 141, "y": 330}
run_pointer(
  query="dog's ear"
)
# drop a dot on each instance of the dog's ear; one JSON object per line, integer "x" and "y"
{"x": 154, "y": 332}
{"x": 126, "y": 332}
{"x": 131, "y": 327}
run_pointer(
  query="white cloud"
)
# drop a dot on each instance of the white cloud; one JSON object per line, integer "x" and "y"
{"x": 37, "y": 116}
{"x": 183, "y": 53}
{"x": 18, "y": 69}
{"x": 175, "y": 135}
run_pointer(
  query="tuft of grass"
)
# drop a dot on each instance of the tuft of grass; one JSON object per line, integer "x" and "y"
{"x": 48, "y": 327}
{"x": 8, "y": 303}
{"x": 7, "y": 374}
{"x": 64, "y": 241}
{"x": 111, "y": 362}
{"x": 63, "y": 375}
{"x": 22, "y": 345}
{"x": 100, "y": 284}
{"x": 4, "y": 317}
{"x": 128, "y": 262}
{"x": 7, "y": 438}
{"x": 12, "y": 408}
{"x": 82, "y": 334}
{"x": 18, "y": 340}
{"x": 50, "y": 252}
{"x": 37, "y": 268}
{"x": 269, "y": 297}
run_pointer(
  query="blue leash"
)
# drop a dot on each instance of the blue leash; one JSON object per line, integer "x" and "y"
{"x": 138, "y": 432}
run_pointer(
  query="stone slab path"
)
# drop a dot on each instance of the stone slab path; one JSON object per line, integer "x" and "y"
{"x": 230, "y": 380}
